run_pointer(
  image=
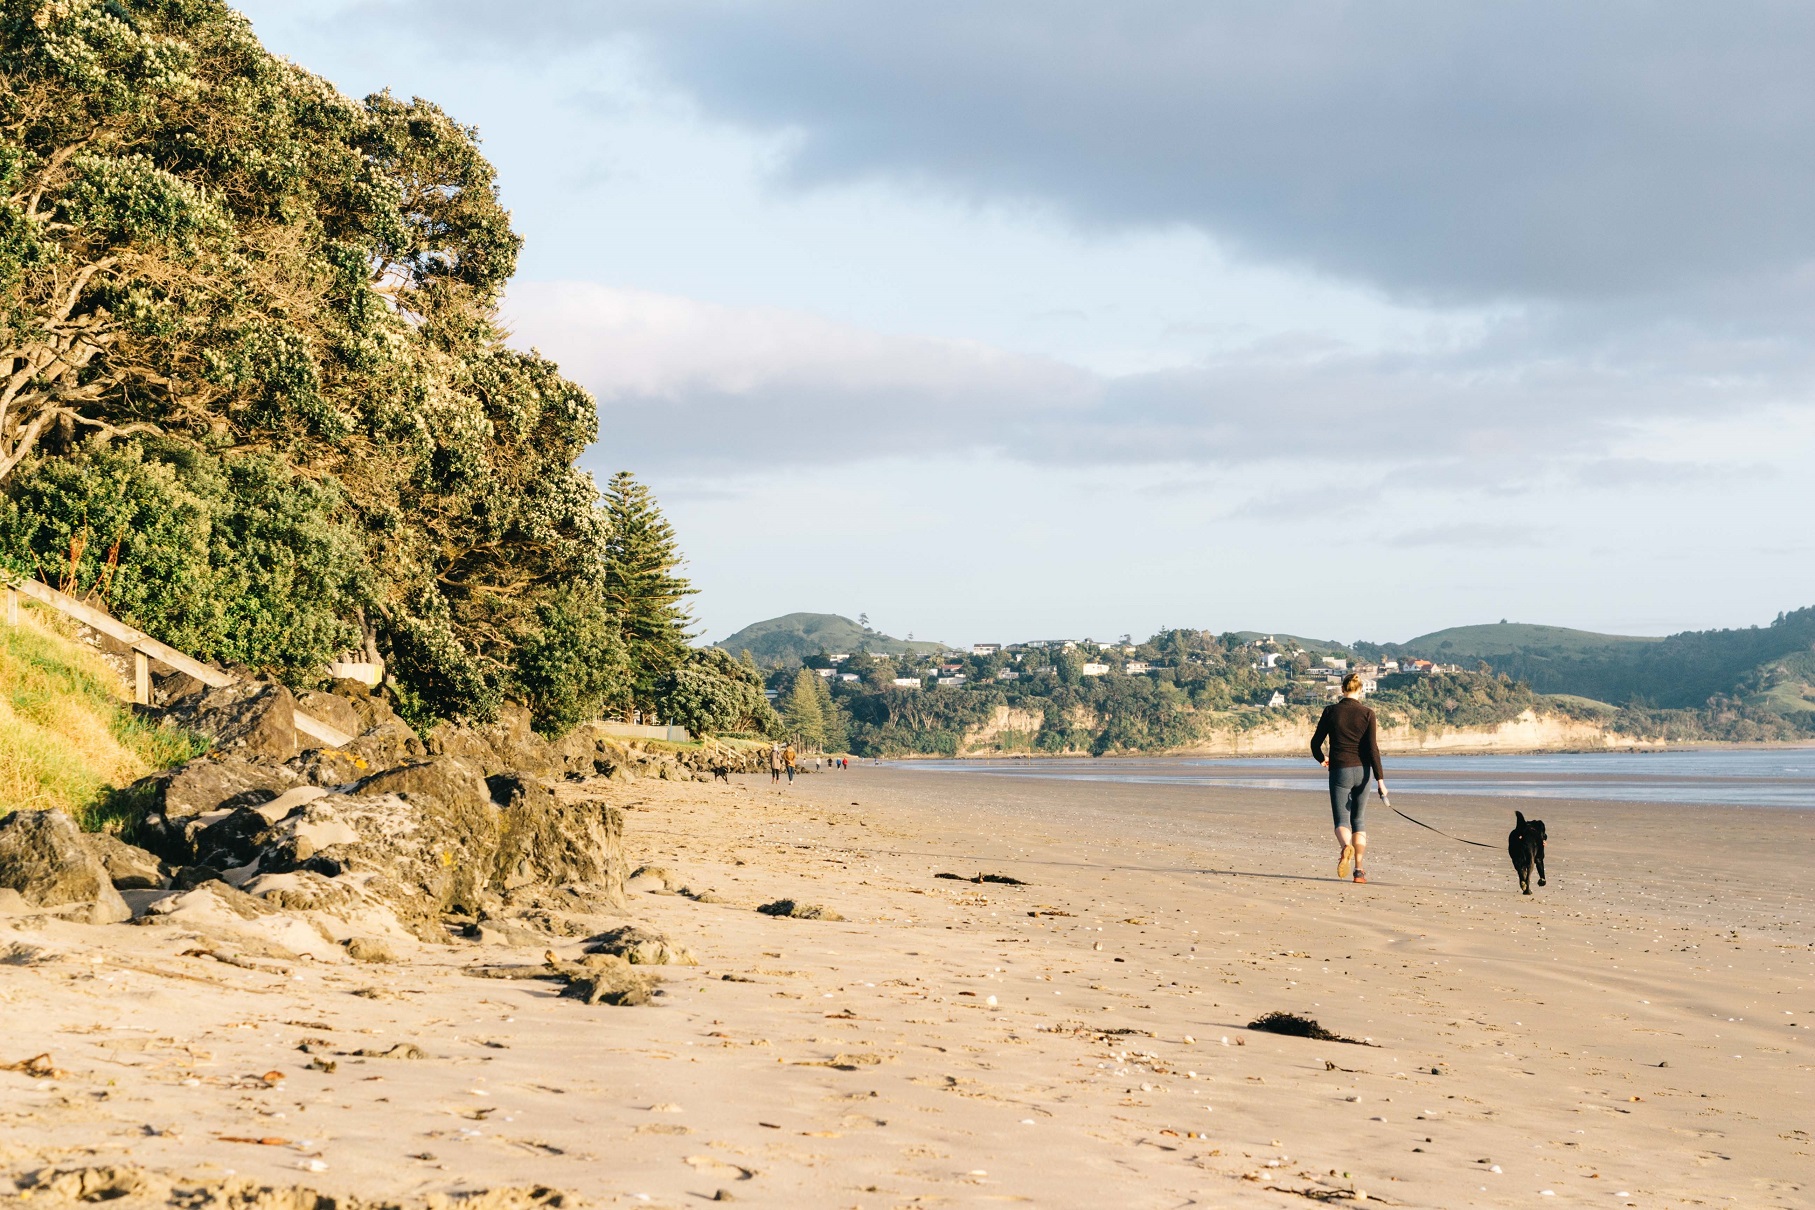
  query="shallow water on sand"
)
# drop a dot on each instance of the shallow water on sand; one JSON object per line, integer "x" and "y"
{"x": 1753, "y": 777}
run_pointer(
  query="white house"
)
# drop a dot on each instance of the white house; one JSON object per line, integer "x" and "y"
{"x": 907, "y": 682}
{"x": 1276, "y": 701}
{"x": 985, "y": 648}
{"x": 1136, "y": 667}
{"x": 1095, "y": 669}
{"x": 1008, "y": 674}
{"x": 849, "y": 676}
{"x": 1331, "y": 661}
{"x": 828, "y": 673}
{"x": 951, "y": 680}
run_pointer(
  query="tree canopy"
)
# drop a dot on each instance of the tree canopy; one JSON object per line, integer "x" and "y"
{"x": 253, "y": 301}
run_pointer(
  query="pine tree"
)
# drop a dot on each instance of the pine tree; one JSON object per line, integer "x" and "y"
{"x": 805, "y": 717}
{"x": 645, "y": 595}
{"x": 836, "y": 733}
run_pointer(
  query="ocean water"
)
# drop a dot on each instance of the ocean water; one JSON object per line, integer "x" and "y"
{"x": 1757, "y": 777}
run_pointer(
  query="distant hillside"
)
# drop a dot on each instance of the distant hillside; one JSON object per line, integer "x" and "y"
{"x": 785, "y": 640}
{"x": 1478, "y": 642}
{"x": 1763, "y": 665}
{"x": 1314, "y": 646}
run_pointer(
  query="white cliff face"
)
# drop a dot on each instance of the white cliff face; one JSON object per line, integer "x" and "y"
{"x": 1529, "y": 732}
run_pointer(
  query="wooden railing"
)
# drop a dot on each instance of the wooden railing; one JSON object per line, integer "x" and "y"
{"x": 145, "y": 649}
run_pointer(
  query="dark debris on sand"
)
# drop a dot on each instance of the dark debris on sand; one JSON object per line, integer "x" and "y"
{"x": 1294, "y": 1026}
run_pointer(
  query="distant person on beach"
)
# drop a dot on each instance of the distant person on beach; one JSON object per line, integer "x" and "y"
{"x": 1354, "y": 737}
{"x": 789, "y": 759}
{"x": 774, "y": 763}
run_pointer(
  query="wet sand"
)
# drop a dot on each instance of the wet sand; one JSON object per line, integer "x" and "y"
{"x": 1636, "y": 1033}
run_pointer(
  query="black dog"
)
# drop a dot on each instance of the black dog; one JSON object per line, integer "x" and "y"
{"x": 1526, "y": 845}
{"x": 722, "y": 773}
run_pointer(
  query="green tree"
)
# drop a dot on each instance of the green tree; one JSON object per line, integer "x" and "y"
{"x": 646, "y": 597}
{"x": 205, "y": 243}
{"x": 238, "y": 560}
{"x": 834, "y": 720}
{"x": 711, "y": 693}
{"x": 805, "y": 718}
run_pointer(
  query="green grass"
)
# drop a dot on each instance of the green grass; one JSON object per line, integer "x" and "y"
{"x": 1477, "y": 642}
{"x": 69, "y": 739}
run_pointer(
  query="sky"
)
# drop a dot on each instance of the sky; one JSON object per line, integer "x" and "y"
{"x": 1038, "y": 318}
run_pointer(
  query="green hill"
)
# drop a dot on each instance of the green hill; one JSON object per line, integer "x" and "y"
{"x": 1314, "y": 646}
{"x": 1768, "y": 666}
{"x": 1478, "y": 642}
{"x": 791, "y": 637}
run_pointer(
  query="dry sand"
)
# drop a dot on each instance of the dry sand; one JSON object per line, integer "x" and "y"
{"x": 1638, "y": 1033}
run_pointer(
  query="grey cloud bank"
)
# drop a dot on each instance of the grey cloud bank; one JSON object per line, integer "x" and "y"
{"x": 1549, "y": 149}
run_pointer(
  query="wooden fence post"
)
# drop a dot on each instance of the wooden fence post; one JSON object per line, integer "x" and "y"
{"x": 12, "y": 608}
{"x": 141, "y": 678}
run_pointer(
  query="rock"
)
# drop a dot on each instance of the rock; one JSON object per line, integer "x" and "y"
{"x": 423, "y": 857}
{"x": 210, "y": 783}
{"x": 129, "y": 867}
{"x": 332, "y": 709}
{"x": 508, "y": 742}
{"x": 388, "y": 743}
{"x": 369, "y": 949}
{"x": 603, "y": 979}
{"x": 230, "y": 842}
{"x": 651, "y": 879}
{"x": 373, "y": 705}
{"x": 798, "y": 911}
{"x": 576, "y": 844}
{"x": 640, "y": 946}
{"x": 44, "y": 859}
{"x": 216, "y": 909}
{"x": 246, "y": 718}
{"x": 442, "y": 780}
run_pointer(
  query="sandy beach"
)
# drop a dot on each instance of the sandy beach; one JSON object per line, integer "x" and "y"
{"x": 1637, "y": 1033}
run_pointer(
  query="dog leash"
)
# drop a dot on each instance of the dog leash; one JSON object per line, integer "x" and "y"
{"x": 1438, "y": 831}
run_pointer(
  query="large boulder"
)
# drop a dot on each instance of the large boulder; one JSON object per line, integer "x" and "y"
{"x": 547, "y": 840}
{"x": 332, "y": 709}
{"x": 507, "y": 742}
{"x": 385, "y": 745}
{"x": 129, "y": 867}
{"x": 246, "y": 718}
{"x": 44, "y": 859}
{"x": 211, "y": 783}
{"x": 441, "y": 780}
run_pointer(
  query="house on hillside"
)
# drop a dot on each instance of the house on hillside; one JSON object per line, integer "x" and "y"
{"x": 1094, "y": 669}
{"x": 1008, "y": 674}
{"x": 1276, "y": 701}
{"x": 985, "y": 648}
{"x": 952, "y": 680}
{"x": 1136, "y": 667}
{"x": 907, "y": 682}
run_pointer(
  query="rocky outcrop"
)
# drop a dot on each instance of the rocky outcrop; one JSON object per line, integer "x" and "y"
{"x": 246, "y": 718}
{"x": 44, "y": 859}
{"x": 508, "y": 742}
{"x": 212, "y": 783}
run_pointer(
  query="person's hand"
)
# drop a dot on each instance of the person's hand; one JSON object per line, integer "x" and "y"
{"x": 1380, "y": 788}
{"x": 1324, "y": 763}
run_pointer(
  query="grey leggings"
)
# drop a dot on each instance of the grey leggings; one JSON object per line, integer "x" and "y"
{"x": 1348, "y": 791}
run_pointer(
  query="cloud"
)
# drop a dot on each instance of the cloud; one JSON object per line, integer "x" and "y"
{"x": 685, "y": 382}
{"x": 679, "y": 380}
{"x": 1470, "y": 535}
{"x": 1551, "y": 150}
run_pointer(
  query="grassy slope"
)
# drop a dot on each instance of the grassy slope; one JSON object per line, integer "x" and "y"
{"x": 787, "y": 638}
{"x": 1678, "y": 671}
{"x": 67, "y": 733}
{"x": 1476, "y": 642}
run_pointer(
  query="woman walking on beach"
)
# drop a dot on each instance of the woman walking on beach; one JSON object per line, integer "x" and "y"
{"x": 1354, "y": 737}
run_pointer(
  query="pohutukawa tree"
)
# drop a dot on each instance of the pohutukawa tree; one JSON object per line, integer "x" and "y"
{"x": 208, "y": 255}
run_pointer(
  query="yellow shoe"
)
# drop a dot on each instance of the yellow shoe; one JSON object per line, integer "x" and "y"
{"x": 1346, "y": 862}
